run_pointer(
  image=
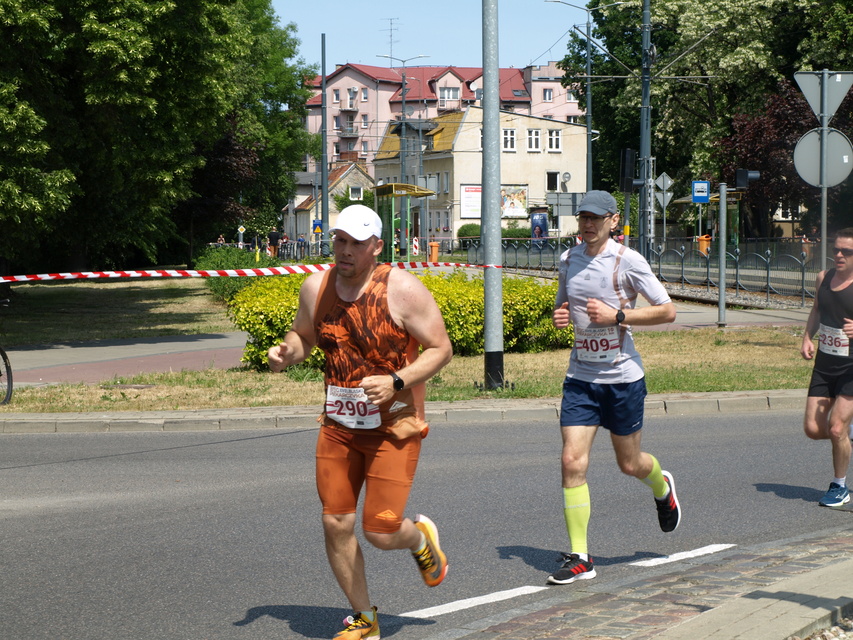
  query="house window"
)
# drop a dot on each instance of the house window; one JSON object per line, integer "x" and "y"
{"x": 570, "y": 96}
{"x": 533, "y": 140}
{"x": 446, "y": 182}
{"x": 448, "y": 93}
{"x": 336, "y": 149}
{"x": 364, "y": 121}
{"x": 509, "y": 139}
{"x": 364, "y": 94}
{"x": 336, "y": 95}
{"x": 364, "y": 147}
{"x": 355, "y": 193}
{"x": 336, "y": 120}
{"x": 547, "y": 95}
{"x": 551, "y": 180}
{"x": 555, "y": 140}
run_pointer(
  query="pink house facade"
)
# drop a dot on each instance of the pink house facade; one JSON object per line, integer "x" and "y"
{"x": 361, "y": 101}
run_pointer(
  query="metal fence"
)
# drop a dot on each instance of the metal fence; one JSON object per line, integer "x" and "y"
{"x": 773, "y": 268}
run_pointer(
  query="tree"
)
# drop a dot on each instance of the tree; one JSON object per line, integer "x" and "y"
{"x": 109, "y": 107}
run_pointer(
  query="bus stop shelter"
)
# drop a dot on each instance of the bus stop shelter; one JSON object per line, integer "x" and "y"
{"x": 394, "y": 206}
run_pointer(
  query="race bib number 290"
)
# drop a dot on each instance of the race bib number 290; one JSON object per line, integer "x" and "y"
{"x": 599, "y": 344}
{"x": 351, "y": 408}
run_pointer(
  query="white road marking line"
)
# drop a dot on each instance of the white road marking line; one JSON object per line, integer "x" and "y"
{"x": 498, "y": 596}
{"x": 459, "y": 605}
{"x": 675, "y": 557}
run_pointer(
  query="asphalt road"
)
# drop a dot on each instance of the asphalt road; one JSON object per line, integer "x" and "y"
{"x": 208, "y": 535}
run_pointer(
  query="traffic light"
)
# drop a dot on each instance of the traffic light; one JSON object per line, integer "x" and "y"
{"x": 744, "y": 176}
{"x": 627, "y": 168}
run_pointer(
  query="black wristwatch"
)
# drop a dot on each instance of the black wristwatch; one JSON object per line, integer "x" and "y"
{"x": 620, "y": 316}
{"x": 398, "y": 382}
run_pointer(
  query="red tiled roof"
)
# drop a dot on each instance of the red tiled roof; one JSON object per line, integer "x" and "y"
{"x": 422, "y": 81}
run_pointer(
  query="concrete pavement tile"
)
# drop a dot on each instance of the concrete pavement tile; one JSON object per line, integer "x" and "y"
{"x": 120, "y": 426}
{"x": 696, "y": 406}
{"x": 82, "y": 426}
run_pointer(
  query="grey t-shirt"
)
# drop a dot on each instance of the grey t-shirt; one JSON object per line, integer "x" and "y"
{"x": 605, "y": 354}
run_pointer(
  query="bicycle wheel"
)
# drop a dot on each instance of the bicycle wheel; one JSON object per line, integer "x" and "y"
{"x": 5, "y": 378}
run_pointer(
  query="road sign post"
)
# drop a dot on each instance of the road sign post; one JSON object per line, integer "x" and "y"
{"x": 824, "y": 91}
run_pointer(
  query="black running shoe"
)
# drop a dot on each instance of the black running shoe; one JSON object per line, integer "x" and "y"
{"x": 669, "y": 511}
{"x": 573, "y": 569}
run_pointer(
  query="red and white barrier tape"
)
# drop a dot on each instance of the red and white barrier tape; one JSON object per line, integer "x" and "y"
{"x": 215, "y": 273}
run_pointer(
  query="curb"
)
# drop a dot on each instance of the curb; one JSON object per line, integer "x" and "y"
{"x": 302, "y": 417}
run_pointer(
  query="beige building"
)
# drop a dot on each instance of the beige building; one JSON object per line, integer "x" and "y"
{"x": 362, "y": 99}
{"x": 350, "y": 179}
{"x": 538, "y": 156}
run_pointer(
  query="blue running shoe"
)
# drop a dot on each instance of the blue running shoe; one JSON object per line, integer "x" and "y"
{"x": 836, "y": 496}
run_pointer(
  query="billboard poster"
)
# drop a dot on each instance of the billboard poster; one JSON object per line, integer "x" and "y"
{"x": 513, "y": 201}
{"x": 470, "y": 201}
{"x": 539, "y": 226}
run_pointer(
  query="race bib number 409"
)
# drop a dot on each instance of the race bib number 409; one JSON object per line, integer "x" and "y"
{"x": 351, "y": 408}
{"x": 600, "y": 344}
{"x": 833, "y": 341}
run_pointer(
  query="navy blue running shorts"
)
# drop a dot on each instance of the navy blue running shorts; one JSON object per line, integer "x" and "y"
{"x": 616, "y": 407}
{"x": 824, "y": 385}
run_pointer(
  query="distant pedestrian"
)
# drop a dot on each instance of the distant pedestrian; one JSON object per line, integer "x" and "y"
{"x": 273, "y": 238}
{"x": 829, "y": 407}
{"x": 599, "y": 282}
{"x": 301, "y": 246}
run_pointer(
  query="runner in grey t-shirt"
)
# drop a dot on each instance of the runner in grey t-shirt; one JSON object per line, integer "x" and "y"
{"x": 605, "y": 384}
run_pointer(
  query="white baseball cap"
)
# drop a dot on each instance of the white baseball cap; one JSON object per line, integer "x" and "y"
{"x": 359, "y": 221}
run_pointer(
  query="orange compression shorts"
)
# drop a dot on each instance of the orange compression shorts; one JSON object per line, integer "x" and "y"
{"x": 346, "y": 461}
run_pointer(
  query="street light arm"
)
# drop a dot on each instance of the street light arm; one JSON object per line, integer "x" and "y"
{"x": 605, "y": 51}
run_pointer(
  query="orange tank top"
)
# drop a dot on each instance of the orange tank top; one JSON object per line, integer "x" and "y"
{"x": 360, "y": 339}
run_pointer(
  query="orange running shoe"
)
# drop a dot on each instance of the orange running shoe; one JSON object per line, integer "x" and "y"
{"x": 431, "y": 561}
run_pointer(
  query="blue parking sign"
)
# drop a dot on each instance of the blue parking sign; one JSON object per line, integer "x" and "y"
{"x": 701, "y": 192}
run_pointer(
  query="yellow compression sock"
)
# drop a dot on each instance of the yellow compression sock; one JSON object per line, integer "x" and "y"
{"x": 655, "y": 480}
{"x": 576, "y": 509}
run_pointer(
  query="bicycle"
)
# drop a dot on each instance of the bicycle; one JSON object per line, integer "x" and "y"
{"x": 5, "y": 370}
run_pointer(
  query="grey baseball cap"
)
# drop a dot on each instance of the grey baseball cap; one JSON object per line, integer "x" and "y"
{"x": 600, "y": 203}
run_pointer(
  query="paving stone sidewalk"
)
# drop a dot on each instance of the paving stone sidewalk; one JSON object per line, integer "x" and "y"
{"x": 766, "y": 592}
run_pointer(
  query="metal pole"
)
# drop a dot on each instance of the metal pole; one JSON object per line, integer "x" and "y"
{"x": 588, "y": 101}
{"x": 824, "y": 133}
{"x": 721, "y": 243}
{"x": 324, "y": 168}
{"x": 647, "y": 190}
{"x": 491, "y": 214}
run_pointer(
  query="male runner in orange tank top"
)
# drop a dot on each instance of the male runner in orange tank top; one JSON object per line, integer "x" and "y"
{"x": 370, "y": 320}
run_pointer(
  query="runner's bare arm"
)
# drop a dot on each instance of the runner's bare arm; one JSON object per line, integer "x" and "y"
{"x": 807, "y": 349}
{"x": 601, "y": 313}
{"x": 299, "y": 341}
{"x": 413, "y": 308}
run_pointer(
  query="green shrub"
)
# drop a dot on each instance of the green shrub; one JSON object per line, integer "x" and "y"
{"x": 224, "y": 288}
{"x": 469, "y": 230}
{"x": 266, "y": 309}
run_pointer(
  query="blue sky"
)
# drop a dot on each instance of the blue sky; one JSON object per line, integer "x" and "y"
{"x": 449, "y": 32}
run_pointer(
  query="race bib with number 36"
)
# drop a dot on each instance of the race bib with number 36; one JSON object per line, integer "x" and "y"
{"x": 351, "y": 408}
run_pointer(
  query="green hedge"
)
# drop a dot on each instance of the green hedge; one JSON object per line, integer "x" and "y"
{"x": 232, "y": 258}
{"x": 266, "y": 308}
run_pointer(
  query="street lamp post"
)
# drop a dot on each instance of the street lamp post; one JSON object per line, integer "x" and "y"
{"x": 404, "y": 147}
{"x": 588, "y": 81}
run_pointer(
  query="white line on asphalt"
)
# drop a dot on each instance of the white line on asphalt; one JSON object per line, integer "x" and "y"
{"x": 498, "y": 596}
{"x": 459, "y": 605}
{"x": 675, "y": 557}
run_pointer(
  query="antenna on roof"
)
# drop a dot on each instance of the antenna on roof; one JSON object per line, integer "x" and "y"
{"x": 391, "y": 29}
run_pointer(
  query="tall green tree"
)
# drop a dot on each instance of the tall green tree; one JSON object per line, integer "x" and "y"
{"x": 109, "y": 107}
{"x": 717, "y": 64}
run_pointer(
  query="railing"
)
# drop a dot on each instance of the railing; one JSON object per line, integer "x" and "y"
{"x": 773, "y": 271}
